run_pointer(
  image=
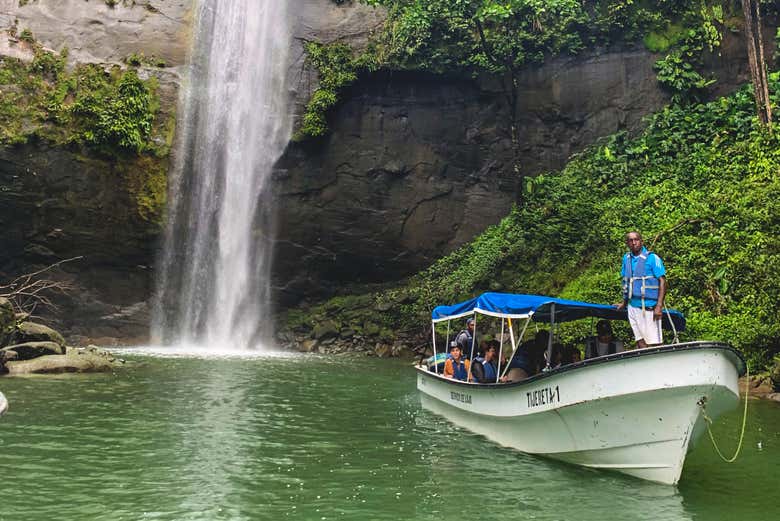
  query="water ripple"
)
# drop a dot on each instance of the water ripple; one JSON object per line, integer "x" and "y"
{"x": 309, "y": 437}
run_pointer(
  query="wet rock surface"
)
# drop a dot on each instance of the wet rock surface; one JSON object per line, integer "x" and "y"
{"x": 97, "y": 32}
{"x": 31, "y": 332}
{"x": 57, "y": 364}
{"x": 32, "y": 348}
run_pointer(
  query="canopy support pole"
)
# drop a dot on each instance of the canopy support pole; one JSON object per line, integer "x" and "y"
{"x": 512, "y": 340}
{"x": 447, "y": 345}
{"x": 473, "y": 341}
{"x": 550, "y": 340}
{"x": 515, "y": 346}
{"x": 500, "y": 352}
{"x": 433, "y": 334}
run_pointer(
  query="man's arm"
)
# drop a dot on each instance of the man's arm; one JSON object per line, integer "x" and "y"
{"x": 658, "y": 311}
{"x": 622, "y": 303}
{"x": 448, "y": 369}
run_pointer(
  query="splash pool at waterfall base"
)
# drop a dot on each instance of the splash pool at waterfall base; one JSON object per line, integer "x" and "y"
{"x": 189, "y": 436}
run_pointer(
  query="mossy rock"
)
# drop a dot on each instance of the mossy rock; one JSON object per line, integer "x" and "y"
{"x": 32, "y": 332}
{"x": 30, "y": 350}
{"x": 388, "y": 335}
{"x": 371, "y": 329}
{"x": 7, "y": 315}
{"x": 774, "y": 375}
{"x": 326, "y": 329}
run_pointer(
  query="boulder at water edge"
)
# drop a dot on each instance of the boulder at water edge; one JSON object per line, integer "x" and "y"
{"x": 70, "y": 363}
{"x": 32, "y": 332}
{"x": 30, "y": 350}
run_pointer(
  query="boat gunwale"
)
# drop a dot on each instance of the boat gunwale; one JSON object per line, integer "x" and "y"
{"x": 634, "y": 353}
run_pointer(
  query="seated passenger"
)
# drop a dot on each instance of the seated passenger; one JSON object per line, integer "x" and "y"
{"x": 603, "y": 343}
{"x": 557, "y": 356}
{"x": 571, "y": 355}
{"x": 535, "y": 350}
{"x": 487, "y": 371}
{"x": 528, "y": 358}
{"x": 455, "y": 367}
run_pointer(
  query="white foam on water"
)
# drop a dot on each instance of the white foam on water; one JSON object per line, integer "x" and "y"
{"x": 203, "y": 352}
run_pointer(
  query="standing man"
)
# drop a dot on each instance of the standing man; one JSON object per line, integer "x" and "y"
{"x": 465, "y": 339}
{"x": 644, "y": 288}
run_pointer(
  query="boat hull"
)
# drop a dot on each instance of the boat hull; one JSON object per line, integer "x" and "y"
{"x": 636, "y": 413}
{"x": 3, "y": 404}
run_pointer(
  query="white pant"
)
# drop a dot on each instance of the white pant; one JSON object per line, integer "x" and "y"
{"x": 644, "y": 326}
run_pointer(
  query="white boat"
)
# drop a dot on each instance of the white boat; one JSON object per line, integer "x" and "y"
{"x": 3, "y": 404}
{"x": 637, "y": 412}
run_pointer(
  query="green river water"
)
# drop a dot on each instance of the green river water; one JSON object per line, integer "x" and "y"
{"x": 316, "y": 438}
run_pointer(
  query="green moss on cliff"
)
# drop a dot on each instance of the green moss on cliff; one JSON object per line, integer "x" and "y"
{"x": 338, "y": 66}
{"x": 147, "y": 181}
{"x": 107, "y": 109}
{"x": 102, "y": 110}
{"x": 663, "y": 40}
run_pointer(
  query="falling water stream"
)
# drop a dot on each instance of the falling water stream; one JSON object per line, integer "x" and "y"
{"x": 213, "y": 284}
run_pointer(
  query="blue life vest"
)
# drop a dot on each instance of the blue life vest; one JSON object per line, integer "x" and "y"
{"x": 490, "y": 371}
{"x": 639, "y": 282}
{"x": 459, "y": 371}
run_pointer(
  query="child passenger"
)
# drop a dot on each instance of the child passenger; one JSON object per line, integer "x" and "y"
{"x": 455, "y": 367}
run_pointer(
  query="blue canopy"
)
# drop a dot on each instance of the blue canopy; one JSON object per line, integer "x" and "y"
{"x": 539, "y": 307}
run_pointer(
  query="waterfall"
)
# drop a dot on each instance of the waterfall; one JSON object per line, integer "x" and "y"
{"x": 213, "y": 283}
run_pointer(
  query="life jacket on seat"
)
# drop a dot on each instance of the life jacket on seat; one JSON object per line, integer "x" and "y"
{"x": 436, "y": 364}
{"x": 639, "y": 282}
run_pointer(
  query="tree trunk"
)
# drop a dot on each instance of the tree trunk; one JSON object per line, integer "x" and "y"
{"x": 756, "y": 61}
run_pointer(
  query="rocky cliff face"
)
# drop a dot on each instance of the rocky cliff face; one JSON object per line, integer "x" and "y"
{"x": 96, "y": 32}
{"x": 415, "y": 165}
{"x": 60, "y": 202}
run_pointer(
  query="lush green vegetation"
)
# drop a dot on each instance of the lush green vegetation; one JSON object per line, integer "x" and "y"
{"x": 107, "y": 111}
{"x": 701, "y": 183}
{"x": 337, "y": 68}
{"x": 500, "y": 37}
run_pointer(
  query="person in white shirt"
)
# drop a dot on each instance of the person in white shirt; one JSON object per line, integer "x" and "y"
{"x": 604, "y": 343}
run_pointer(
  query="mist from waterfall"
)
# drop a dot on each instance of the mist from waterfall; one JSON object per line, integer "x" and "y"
{"x": 213, "y": 284}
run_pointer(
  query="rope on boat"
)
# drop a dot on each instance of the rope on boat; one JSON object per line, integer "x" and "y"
{"x": 707, "y": 419}
{"x": 676, "y": 339}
